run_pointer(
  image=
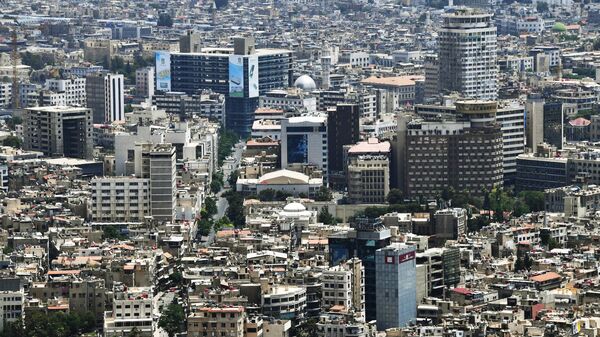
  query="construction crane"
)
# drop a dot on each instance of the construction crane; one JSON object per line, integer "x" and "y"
{"x": 15, "y": 73}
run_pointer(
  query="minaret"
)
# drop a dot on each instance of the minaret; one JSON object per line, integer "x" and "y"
{"x": 213, "y": 12}
{"x": 325, "y": 70}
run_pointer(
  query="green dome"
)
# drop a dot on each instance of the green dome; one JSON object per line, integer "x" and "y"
{"x": 559, "y": 27}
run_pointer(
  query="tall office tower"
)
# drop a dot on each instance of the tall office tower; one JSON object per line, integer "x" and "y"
{"x": 510, "y": 115}
{"x": 467, "y": 54}
{"x": 105, "y": 96}
{"x": 368, "y": 171}
{"x": 72, "y": 88}
{"x": 241, "y": 73}
{"x": 158, "y": 164}
{"x": 58, "y": 131}
{"x": 342, "y": 129}
{"x": 361, "y": 241}
{"x": 396, "y": 286}
{"x": 144, "y": 82}
{"x": 534, "y": 121}
{"x": 304, "y": 143}
{"x": 190, "y": 42}
{"x": 325, "y": 72}
{"x": 432, "y": 78}
{"x": 466, "y": 148}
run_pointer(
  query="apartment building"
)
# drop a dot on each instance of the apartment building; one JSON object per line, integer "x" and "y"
{"x": 216, "y": 321}
{"x": 120, "y": 199}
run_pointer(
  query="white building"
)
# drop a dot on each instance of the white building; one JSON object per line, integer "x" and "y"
{"x": 304, "y": 142}
{"x": 285, "y": 302}
{"x": 144, "y": 82}
{"x": 291, "y": 182}
{"x": 290, "y": 98}
{"x": 132, "y": 308}
{"x": 158, "y": 164}
{"x": 120, "y": 199}
{"x": 114, "y": 87}
{"x": 11, "y": 306}
{"x": 511, "y": 118}
{"x": 344, "y": 286}
{"x": 467, "y": 54}
{"x": 73, "y": 89}
{"x": 262, "y": 128}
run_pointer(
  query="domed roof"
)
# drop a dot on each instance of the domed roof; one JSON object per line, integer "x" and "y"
{"x": 305, "y": 83}
{"x": 294, "y": 207}
{"x": 559, "y": 27}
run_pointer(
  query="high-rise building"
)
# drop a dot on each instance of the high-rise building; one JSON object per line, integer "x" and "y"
{"x": 467, "y": 54}
{"x": 466, "y": 149}
{"x": 368, "y": 171}
{"x": 190, "y": 42}
{"x": 304, "y": 143}
{"x": 396, "y": 286}
{"x": 158, "y": 164}
{"x": 144, "y": 82}
{"x": 344, "y": 285}
{"x": 72, "y": 88}
{"x": 342, "y": 129}
{"x": 120, "y": 199}
{"x": 365, "y": 237}
{"x": 510, "y": 115}
{"x": 58, "y": 131}
{"x": 241, "y": 73}
{"x": 105, "y": 96}
{"x": 534, "y": 108}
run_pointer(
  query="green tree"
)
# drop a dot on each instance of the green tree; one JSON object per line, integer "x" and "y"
{"x": 134, "y": 332}
{"x": 227, "y": 139}
{"x": 325, "y": 217}
{"x": 12, "y": 122}
{"x": 111, "y": 233}
{"x": 395, "y": 196}
{"x": 520, "y": 208}
{"x": 534, "y": 200}
{"x": 235, "y": 211}
{"x": 215, "y": 186}
{"x": 172, "y": 319}
{"x": 13, "y": 329}
{"x": 233, "y": 177}
{"x": 12, "y": 141}
{"x": 267, "y": 195}
{"x": 323, "y": 194}
{"x": 210, "y": 205}
{"x": 224, "y": 222}
{"x": 542, "y": 6}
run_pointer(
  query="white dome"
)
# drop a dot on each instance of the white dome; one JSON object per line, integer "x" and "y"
{"x": 305, "y": 83}
{"x": 294, "y": 207}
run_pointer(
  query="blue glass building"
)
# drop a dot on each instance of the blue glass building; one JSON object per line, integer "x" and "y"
{"x": 241, "y": 73}
{"x": 396, "y": 286}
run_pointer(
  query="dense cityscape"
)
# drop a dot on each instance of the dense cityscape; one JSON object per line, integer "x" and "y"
{"x": 299, "y": 168}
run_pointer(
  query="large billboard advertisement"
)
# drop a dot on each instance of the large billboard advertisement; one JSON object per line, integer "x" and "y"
{"x": 253, "y": 76}
{"x": 297, "y": 149}
{"x": 236, "y": 76}
{"x": 163, "y": 70}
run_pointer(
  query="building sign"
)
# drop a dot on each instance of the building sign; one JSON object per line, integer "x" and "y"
{"x": 253, "y": 76}
{"x": 389, "y": 260}
{"x": 162, "y": 61}
{"x": 236, "y": 76}
{"x": 406, "y": 257}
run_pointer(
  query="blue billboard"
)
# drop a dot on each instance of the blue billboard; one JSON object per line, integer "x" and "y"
{"x": 162, "y": 61}
{"x": 236, "y": 76}
{"x": 297, "y": 149}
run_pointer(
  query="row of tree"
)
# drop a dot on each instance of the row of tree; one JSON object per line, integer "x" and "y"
{"x": 38, "y": 323}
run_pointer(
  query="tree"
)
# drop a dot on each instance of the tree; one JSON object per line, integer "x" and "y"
{"x": 210, "y": 205}
{"x": 323, "y": 194}
{"x": 12, "y": 122}
{"x": 224, "y": 222}
{"x": 165, "y": 20}
{"x": 325, "y": 217}
{"x": 395, "y": 196}
{"x": 176, "y": 278}
{"x": 227, "y": 139}
{"x": 13, "y": 329}
{"x": 215, "y": 186}
{"x": 111, "y": 233}
{"x": 12, "y": 141}
{"x": 520, "y": 208}
{"x": 172, "y": 319}
{"x": 542, "y": 6}
{"x": 235, "y": 211}
{"x": 267, "y": 195}
{"x": 134, "y": 332}
{"x": 534, "y": 200}
{"x": 233, "y": 177}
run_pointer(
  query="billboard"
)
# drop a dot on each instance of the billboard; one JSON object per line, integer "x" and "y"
{"x": 162, "y": 60}
{"x": 297, "y": 149}
{"x": 253, "y": 76}
{"x": 236, "y": 76}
